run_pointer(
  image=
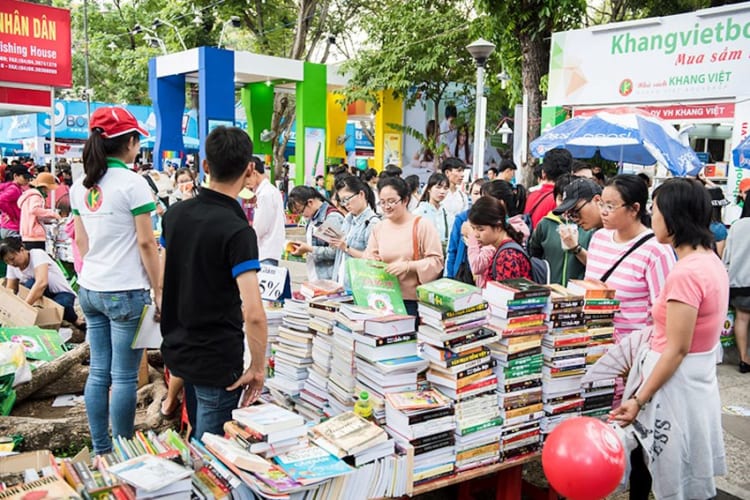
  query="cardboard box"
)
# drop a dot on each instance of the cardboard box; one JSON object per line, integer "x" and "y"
{"x": 14, "y": 311}
{"x": 16, "y": 464}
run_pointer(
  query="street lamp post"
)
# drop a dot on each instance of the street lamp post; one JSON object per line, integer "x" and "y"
{"x": 480, "y": 50}
{"x": 158, "y": 22}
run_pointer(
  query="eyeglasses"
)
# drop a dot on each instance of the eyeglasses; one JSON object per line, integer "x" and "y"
{"x": 575, "y": 213}
{"x": 388, "y": 203}
{"x": 345, "y": 201}
{"x": 608, "y": 207}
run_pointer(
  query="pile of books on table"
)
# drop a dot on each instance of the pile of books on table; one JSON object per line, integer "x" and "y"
{"x": 424, "y": 420}
{"x": 564, "y": 348}
{"x": 386, "y": 359}
{"x": 267, "y": 429}
{"x": 600, "y": 307}
{"x": 454, "y": 338}
{"x": 348, "y": 320}
{"x": 292, "y": 353}
{"x": 352, "y": 438}
{"x": 274, "y": 313}
{"x": 517, "y": 315}
{"x": 313, "y": 400}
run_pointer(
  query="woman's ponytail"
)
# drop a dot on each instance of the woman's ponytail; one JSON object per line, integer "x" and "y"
{"x": 94, "y": 158}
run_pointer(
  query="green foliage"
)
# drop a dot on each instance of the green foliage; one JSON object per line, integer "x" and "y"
{"x": 415, "y": 49}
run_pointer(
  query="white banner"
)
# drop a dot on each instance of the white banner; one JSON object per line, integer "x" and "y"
{"x": 698, "y": 55}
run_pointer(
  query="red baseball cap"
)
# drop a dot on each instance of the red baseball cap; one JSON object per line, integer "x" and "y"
{"x": 745, "y": 185}
{"x": 114, "y": 121}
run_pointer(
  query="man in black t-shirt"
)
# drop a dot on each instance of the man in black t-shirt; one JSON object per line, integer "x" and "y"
{"x": 211, "y": 288}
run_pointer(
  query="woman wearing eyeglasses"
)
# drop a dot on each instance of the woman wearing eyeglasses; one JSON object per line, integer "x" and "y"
{"x": 409, "y": 245}
{"x": 625, "y": 255}
{"x": 316, "y": 209}
{"x": 356, "y": 196}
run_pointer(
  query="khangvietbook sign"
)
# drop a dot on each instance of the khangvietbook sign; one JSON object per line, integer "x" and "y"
{"x": 35, "y": 44}
{"x": 699, "y": 55}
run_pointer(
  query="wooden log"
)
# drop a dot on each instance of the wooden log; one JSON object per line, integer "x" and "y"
{"x": 41, "y": 433}
{"x": 71, "y": 382}
{"x": 52, "y": 371}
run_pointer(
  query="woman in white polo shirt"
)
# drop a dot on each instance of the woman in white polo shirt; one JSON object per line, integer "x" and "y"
{"x": 112, "y": 206}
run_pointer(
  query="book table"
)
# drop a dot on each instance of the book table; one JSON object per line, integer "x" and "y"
{"x": 504, "y": 478}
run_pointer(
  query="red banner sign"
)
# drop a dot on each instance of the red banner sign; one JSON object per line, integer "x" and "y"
{"x": 35, "y": 44}
{"x": 677, "y": 112}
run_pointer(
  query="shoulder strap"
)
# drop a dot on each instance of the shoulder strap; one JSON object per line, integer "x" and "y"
{"x": 445, "y": 222}
{"x": 632, "y": 249}
{"x": 414, "y": 239}
{"x": 374, "y": 216}
{"x": 507, "y": 245}
{"x": 331, "y": 209}
{"x": 539, "y": 202}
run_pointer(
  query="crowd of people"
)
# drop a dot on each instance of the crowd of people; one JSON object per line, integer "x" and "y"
{"x": 655, "y": 247}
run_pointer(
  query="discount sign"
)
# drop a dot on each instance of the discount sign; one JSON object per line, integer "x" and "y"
{"x": 35, "y": 44}
{"x": 271, "y": 280}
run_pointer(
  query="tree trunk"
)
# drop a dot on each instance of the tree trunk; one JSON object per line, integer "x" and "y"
{"x": 284, "y": 109}
{"x": 71, "y": 382}
{"x": 535, "y": 61}
{"x": 52, "y": 371}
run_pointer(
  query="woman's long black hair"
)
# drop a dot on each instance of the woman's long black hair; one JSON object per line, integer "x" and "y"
{"x": 97, "y": 149}
{"x": 355, "y": 185}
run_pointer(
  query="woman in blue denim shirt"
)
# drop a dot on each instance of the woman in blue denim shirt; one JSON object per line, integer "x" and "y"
{"x": 357, "y": 197}
{"x": 111, "y": 206}
{"x": 309, "y": 203}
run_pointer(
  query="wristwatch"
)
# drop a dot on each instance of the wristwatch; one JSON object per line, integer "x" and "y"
{"x": 577, "y": 250}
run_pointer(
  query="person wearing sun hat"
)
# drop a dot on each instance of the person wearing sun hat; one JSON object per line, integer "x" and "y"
{"x": 33, "y": 212}
{"x": 111, "y": 206}
{"x": 742, "y": 197}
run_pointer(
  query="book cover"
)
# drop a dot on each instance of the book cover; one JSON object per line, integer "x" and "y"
{"x": 311, "y": 464}
{"x": 267, "y": 417}
{"x": 416, "y": 400}
{"x": 38, "y": 344}
{"x": 149, "y": 472}
{"x": 373, "y": 287}
{"x": 349, "y": 433}
{"x": 450, "y": 294}
{"x": 514, "y": 289}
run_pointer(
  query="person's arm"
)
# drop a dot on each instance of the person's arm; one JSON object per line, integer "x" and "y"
{"x": 41, "y": 281}
{"x": 453, "y": 242}
{"x": 256, "y": 333}
{"x": 726, "y": 256}
{"x": 681, "y": 319}
{"x": 480, "y": 257}
{"x": 149, "y": 254}
{"x": 36, "y": 208}
{"x": 12, "y": 284}
{"x": 720, "y": 245}
{"x": 82, "y": 238}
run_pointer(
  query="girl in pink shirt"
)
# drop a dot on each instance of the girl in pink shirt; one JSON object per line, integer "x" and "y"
{"x": 678, "y": 371}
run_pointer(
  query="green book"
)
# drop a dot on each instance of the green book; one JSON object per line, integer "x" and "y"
{"x": 38, "y": 344}
{"x": 449, "y": 294}
{"x": 373, "y": 287}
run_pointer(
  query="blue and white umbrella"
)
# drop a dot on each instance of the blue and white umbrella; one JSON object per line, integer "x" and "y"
{"x": 622, "y": 137}
{"x": 741, "y": 154}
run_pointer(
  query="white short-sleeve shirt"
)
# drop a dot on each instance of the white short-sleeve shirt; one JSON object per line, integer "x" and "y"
{"x": 107, "y": 211}
{"x": 56, "y": 282}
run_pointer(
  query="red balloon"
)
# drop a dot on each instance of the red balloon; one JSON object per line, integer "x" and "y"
{"x": 583, "y": 459}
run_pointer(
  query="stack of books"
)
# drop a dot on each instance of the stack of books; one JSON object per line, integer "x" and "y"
{"x": 424, "y": 420}
{"x": 564, "y": 348}
{"x": 386, "y": 359}
{"x": 267, "y": 429}
{"x": 517, "y": 314}
{"x": 313, "y": 400}
{"x": 292, "y": 353}
{"x": 600, "y": 308}
{"x": 274, "y": 315}
{"x": 352, "y": 438}
{"x": 349, "y": 319}
{"x": 454, "y": 338}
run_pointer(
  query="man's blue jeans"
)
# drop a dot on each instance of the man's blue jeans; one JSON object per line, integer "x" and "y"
{"x": 209, "y": 408}
{"x": 112, "y": 319}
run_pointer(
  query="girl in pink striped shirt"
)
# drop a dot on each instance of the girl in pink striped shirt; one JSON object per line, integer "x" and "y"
{"x": 639, "y": 278}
